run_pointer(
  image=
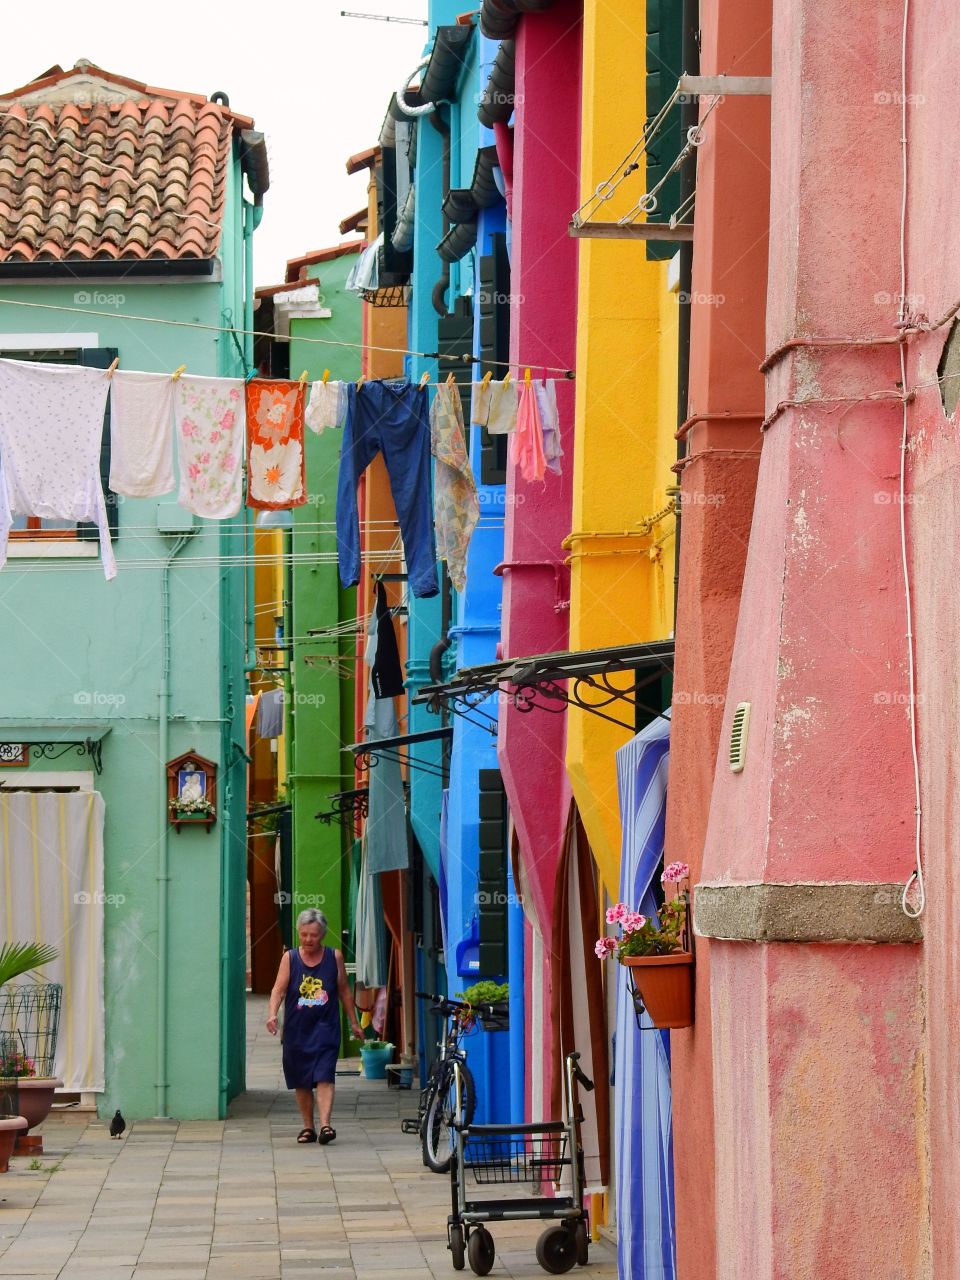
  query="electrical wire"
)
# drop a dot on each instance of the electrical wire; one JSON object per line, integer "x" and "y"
{"x": 260, "y": 333}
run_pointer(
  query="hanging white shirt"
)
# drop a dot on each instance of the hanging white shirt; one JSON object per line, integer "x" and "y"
{"x": 51, "y": 428}
{"x": 141, "y": 434}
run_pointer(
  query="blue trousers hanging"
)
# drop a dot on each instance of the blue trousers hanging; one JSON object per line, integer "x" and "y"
{"x": 390, "y": 418}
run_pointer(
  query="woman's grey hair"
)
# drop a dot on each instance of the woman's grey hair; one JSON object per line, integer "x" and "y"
{"x": 312, "y": 916}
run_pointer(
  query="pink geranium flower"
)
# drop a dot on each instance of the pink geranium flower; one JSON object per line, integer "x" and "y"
{"x": 605, "y": 947}
{"x": 616, "y": 914}
{"x": 633, "y": 922}
{"x": 674, "y": 873}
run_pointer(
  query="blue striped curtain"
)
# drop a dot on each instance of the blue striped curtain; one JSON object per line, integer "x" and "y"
{"x": 646, "y": 1242}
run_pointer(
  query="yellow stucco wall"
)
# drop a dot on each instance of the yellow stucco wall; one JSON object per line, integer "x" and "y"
{"x": 621, "y": 577}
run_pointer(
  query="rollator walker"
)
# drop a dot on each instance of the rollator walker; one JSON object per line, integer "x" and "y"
{"x": 512, "y": 1155}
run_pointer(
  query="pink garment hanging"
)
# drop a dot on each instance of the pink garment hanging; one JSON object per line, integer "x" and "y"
{"x": 526, "y": 443}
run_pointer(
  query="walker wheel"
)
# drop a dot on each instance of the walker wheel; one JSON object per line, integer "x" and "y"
{"x": 481, "y": 1251}
{"x": 583, "y": 1244}
{"x": 455, "y": 1245}
{"x": 557, "y": 1250}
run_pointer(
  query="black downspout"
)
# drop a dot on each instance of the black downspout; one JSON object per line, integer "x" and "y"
{"x": 438, "y": 296}
{"x": 689, "y": 114}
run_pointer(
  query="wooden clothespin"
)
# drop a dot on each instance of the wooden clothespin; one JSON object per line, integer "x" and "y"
{"x": 112, "y": 367}
{"x": 175, "y": 376}
{"x": 361, "y": 380}
{"x": 326, "y": 376}
{"x": 303, "y": 378}
{"x": 506, "y": 378}
{"x": 451, "y": 380}
{"x": 425, "y": 379}
{"x": 485, "y": 382}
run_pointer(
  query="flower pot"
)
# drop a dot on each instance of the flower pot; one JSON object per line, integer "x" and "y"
{"x": 375, "y": 1062}
{"x": 10, "y": 1129}
{"x": 36, "y": 1097}
{"x": 494, "y": 1017}
{"x": 665, "y": 985}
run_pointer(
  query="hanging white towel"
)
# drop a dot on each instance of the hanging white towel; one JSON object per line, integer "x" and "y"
{"x": 141, "y": 434}
{"x": 494, "y": 406}
{"x": 209, "y": 416}
{"x": 51, "y": 429}
{"x": 327, "y": 406}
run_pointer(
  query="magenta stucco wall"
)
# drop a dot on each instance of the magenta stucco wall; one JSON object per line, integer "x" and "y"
{"x": 543, "y": 330}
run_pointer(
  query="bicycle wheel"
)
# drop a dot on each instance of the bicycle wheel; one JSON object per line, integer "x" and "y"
{"x": 436, "y": 1138}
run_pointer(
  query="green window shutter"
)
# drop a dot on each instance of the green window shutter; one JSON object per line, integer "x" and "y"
{"x": 102, "y": 358}
{"x": 664, "y": 68}
{"x": 454, "y": 341}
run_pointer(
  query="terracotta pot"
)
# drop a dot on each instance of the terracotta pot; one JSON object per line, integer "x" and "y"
{"x": 665, "y": 985}
{"x": 10, "y": 1130}
{"x": 36, "y": 1098}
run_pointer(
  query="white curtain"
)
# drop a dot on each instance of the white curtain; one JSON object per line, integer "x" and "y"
{"x": 51, "y": 890}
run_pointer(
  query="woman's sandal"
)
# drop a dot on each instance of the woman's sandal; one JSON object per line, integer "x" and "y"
{"x": 306, "y": 1135}
{"x": 326, "y": 1135}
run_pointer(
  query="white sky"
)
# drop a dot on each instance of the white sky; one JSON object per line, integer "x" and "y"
{"x": 316, "y": 84}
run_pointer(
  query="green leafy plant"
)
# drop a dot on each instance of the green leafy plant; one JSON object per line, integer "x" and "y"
{"x": 376, "y": 1044}
{"x": 17, "y": 958}
{"x": 640, "y": 936}
{"x": 486, "y": 992}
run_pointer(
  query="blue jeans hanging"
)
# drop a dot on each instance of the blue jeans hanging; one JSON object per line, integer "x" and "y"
{"x": 389, "y": 418}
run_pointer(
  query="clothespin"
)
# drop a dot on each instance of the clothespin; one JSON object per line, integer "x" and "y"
{"x": 425, "y": 379}
{"x": 326, "y": 375}
{"x": 526, "y": 378}
{"x": 112, "y": 367}
{"x": 486, "y": 378}
{"x": 506, "y": 378}
{"x": 451, "y": 380}
{"x": 175, "y": 376}
{"x": 303, "y": 378}
{"x": 361, "y": 380}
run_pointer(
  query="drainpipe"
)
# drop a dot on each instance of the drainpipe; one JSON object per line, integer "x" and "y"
{"x": 163, "y": 848}
{"x": 689, "y": 113}
{"x": 438, "y": 296}
{"x": 252, "y": 217}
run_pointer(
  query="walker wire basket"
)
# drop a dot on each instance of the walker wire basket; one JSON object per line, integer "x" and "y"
{"x": 29, "y": 1022}
{"x": 516, "y": 1158}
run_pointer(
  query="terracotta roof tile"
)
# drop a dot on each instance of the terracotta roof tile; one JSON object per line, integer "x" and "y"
{"x": 140, "y": 176}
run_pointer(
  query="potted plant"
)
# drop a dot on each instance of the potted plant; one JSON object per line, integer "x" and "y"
{"x": 656, "y": 953}
{"x": 16, "y": 1068}
{"x": 489, "y": 1003}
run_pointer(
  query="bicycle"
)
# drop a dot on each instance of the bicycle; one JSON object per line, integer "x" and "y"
{"x": 437, "y": 1109}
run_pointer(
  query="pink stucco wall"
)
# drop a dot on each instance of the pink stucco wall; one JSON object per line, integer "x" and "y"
{"x": 543, "y": 330}
{"x": 718, "y": 482}
{"x": 818, "y": 1066}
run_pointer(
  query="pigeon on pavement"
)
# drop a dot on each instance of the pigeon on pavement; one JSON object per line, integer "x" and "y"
{"x": 117, "y": 1125}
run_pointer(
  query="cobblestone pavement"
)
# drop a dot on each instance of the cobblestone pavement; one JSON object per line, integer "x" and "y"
{"x": 239, "y": 1200}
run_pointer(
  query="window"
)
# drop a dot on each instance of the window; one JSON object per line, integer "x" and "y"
{"x": 33, "y": 528}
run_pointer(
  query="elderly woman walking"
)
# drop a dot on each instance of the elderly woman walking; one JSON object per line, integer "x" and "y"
{"x": 311, "y": 983}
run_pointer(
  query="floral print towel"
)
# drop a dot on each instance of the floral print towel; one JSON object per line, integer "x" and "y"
{"x": 275, "y": 471}
{"x": 456, "y": 504}
{"x": 208, "y": 414}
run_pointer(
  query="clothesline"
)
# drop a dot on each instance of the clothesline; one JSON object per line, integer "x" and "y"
{"x": 467, "y": 359}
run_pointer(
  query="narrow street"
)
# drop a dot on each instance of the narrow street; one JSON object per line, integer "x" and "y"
{"x": 210, "y": 1201}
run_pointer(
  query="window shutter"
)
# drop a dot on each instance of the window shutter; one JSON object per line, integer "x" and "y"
{"x": 492, "y": 878}
{"x": 102, "y": 358}
{"x": 664, "y": 68}
{"x": 493, "y": 300}
{"x": 455, "y": 340}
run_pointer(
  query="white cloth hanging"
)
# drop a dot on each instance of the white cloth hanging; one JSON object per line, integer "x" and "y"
{"x": 141, "y": 434}
{"x": 51, "y": 430}
{"x": 327, "y": 406}
{"x": 210, "y": 417}
{"x": 494, "y": 406}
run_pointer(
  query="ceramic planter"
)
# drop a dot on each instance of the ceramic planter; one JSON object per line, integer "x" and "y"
{"x": 10, "y": 1130}
{"x": 664, "y": 985}
{"x": 36, "y": 1098}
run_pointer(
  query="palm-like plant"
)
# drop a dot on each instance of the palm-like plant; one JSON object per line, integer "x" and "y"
{"x": 20, "y": 957}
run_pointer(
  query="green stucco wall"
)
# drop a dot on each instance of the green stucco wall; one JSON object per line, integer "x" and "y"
{"x": 323, "y": 701}
{"x": 75, "y": 646}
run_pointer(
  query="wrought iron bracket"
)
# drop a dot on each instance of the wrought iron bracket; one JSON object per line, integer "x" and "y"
{"x": 345, "y": 808}
{"x": 91, "y": 747}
